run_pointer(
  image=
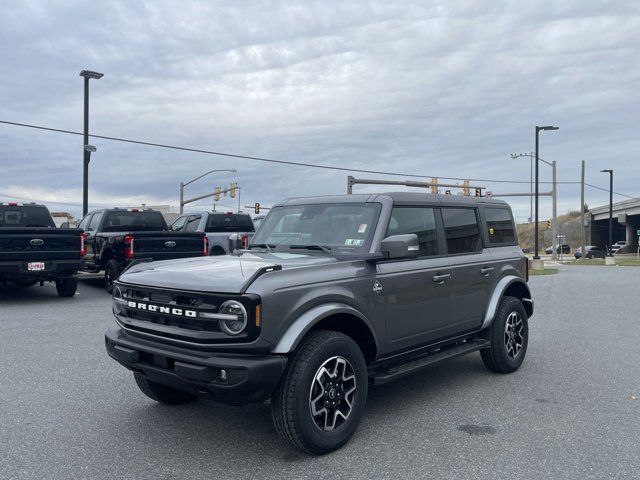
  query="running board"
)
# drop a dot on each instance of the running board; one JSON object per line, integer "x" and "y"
{"x": 390, "y": 373}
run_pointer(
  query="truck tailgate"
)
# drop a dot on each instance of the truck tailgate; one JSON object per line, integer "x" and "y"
{"x": 38, "y": 244}
{"x": 167, "y": 245}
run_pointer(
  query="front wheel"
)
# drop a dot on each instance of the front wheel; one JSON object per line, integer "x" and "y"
{"x": 508, "y": 337}
{"x": 66, "y": 287}
{"x": 321, "y": 398}
{"x": 111, "y": 272}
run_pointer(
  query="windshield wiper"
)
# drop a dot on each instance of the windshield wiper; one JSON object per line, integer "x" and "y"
{"x": 268, "y": 246}
{"x": 311, "y": 247}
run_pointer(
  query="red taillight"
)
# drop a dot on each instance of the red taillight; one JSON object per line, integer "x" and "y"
{"x": 244, "y": 241}
{"x": 205, "y": 242}
{"x": 128, "y": 246}
{"x": 13, "y": 204}
{"x": 83, "y": 245}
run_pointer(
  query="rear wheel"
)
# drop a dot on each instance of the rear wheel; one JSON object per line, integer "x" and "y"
{"x": 321, "y": 398}
{"x": 161, "y": 393}
{"x": 111, "y": 272}
{"x": 66, "y": 287}
{"x": 509, "y": 337}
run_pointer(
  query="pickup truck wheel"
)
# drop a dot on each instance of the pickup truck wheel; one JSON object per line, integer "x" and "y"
{"x": 321, "y": 397}
{"x": 111, "y": 272}
{"x": 161, "y": 393}
{"x": 509, "y": 337}
{"x": 66, "y": 287}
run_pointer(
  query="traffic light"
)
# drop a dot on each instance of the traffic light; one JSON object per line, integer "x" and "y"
{"x": 256, "y": 208}
{"x": 465, "y": 188}
{"x": 434, "y": 185}
{"x": 216, "y": 195}
{"x": 478, "y": 192}
{"x": 548, "y": 224}
{"x": 234, "y": 187}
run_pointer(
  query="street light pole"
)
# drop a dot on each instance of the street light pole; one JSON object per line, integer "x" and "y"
{"x": 86, "y": 152}
{"x": 182, "y": 184}
{"x": 610, "y": 172}
{"x": 536, "y": 255}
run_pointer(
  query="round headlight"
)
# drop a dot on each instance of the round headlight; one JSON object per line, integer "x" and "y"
{"x": 235, "y": 326}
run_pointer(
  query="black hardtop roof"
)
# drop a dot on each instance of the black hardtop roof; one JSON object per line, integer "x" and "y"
{"x": 398, "y": 198}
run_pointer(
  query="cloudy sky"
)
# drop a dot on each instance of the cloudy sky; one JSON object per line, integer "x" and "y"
{"x": 446, "y": 89}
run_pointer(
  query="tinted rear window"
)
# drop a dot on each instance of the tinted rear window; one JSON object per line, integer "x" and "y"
{"x": 500, "y": 227}
{"x": 120, "y": 221}
{"x": 229, "y": 223}
{"x": 25, "y": 216}
{"x": 461, "y": 230}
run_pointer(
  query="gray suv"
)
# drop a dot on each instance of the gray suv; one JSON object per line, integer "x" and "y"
{"x": 333, "y": 294}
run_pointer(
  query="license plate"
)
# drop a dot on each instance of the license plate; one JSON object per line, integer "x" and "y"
{"x": 35, "y": 266}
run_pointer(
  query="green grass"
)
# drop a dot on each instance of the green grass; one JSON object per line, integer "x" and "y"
{"x": 623, "y": 262}
{"x": 588, "y": 261}
{"x": 628, "y": 262}
{"x": 546, "y": 271}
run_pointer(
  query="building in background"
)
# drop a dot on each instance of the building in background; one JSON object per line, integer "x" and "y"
{"x": 63, "y": 217}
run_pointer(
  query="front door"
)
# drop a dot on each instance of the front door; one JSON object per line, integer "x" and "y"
{"x": 417, "y": 292}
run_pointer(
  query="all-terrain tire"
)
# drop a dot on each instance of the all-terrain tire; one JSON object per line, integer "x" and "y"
{"x": 508, "y": 337}
{"x": 66, "y": 287}
{"x": 291, "y": 403}
{"x": 161, "y": 393}
{"x": 111, "y": 272}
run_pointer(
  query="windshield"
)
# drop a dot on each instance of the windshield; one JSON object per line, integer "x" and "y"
{"x": 116, "y": 221}
{"x": 25, "y": 216}
{"x": 228, "y": 222}
{"x": 343, "y": 228}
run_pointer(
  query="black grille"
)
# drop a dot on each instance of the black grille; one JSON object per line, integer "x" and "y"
{"x": 196, "y": 324}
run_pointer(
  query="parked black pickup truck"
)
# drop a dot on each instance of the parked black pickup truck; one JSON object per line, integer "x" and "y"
{"x": 33, "y": 250}
{"x": 116, "y": 237}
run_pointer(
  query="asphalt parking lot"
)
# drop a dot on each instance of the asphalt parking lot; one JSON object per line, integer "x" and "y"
{"x": 68, "y": 411}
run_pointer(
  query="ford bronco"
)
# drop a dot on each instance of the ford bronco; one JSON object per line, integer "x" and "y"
{"x": 333, "y": 294}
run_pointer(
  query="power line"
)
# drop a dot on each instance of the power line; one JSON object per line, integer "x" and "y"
{"x": 285, "y": 162}
{"x": 261, "y": 159}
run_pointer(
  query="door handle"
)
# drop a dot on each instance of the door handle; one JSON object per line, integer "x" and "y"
{"x": 440, "y": 279}
{"x": 486, "y": 271}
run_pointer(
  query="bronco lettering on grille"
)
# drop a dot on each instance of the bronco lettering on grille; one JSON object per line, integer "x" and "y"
{"x": 157, "y": 308}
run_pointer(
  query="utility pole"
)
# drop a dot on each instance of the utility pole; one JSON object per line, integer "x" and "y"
{"x": 582, "y": 210}
{"x": 554, "y": 220}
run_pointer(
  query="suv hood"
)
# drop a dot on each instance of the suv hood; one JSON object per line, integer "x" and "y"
{"x": 218, "y": 274}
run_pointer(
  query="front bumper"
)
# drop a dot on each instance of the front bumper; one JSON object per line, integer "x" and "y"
{"x": 249, "y": 378}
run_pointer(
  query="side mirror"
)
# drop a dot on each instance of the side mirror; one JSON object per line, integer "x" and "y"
{"x": 400, "y": 246}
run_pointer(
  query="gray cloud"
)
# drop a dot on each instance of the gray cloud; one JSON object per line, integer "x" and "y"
{"x": 445, "y": 89}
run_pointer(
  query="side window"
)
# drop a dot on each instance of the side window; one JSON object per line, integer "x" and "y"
{"x": 85, "y": 222}
{"x": 192, "y": 224}
{"x": 418, "y": 220}
{"x": 461, "y": 230}
{"x": 95, "y": 221}
{"x": 178, "y": 225}
{"x": 500, "y": 227}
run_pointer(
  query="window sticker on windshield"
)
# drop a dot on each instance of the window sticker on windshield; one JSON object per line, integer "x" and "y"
{"x": 362, "y": 228}
{"x": 354, "y": 242}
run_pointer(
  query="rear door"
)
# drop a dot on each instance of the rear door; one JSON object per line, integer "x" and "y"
{"x": 91, "y": 241}
{"x": 417, "y": 292}
{"x": 472, "y": 268}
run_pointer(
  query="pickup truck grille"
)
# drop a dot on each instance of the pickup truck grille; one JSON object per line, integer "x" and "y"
{"x": 175, "y": 315}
